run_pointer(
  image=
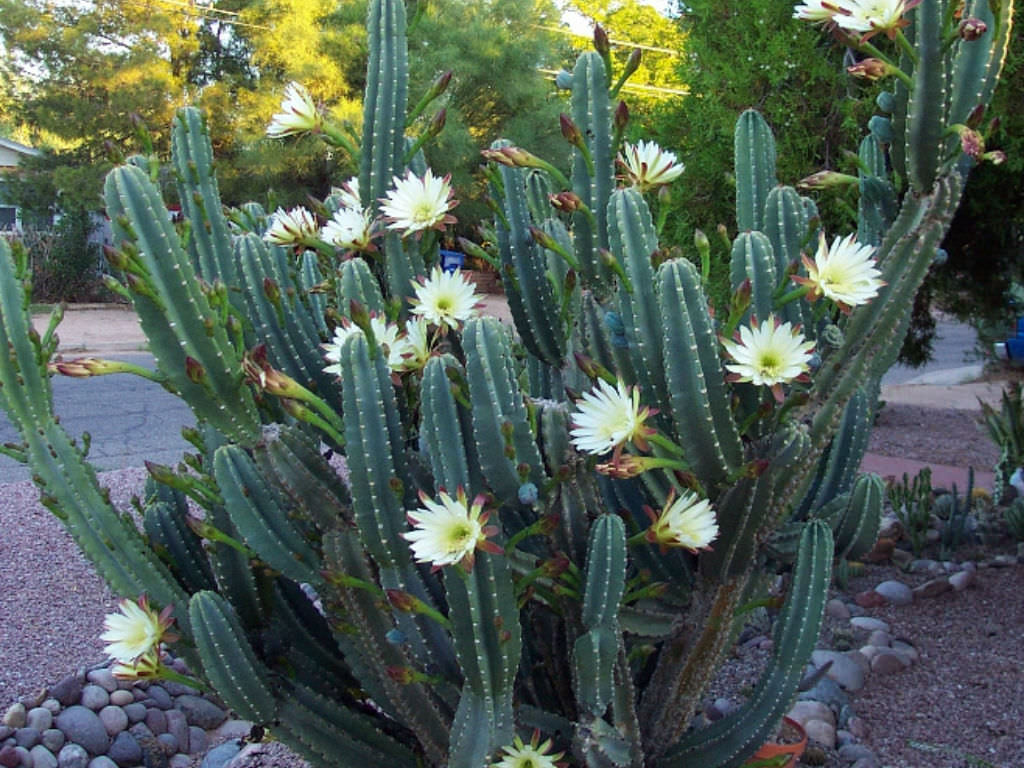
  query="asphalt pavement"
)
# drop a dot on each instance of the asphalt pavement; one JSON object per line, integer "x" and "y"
{"x": 131, "y": 419}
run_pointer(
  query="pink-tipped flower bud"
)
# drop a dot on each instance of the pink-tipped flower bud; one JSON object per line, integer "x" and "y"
{"x": 567, "y": 202}
{"x": 971, "y": 29}
{"x": 621, "y": 117}
{"x": 570, "y": 131}
{"x": 601, "y": 43}
{"x": 870, "y": 69}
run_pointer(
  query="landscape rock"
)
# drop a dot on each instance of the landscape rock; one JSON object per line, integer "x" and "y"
{"x": 932, "y": 588}
{"x": 94, "y": 697}
{"x": 121, "y": 697}
{"x": 68, "y": 691}
{"x": 39, "y": 718}
{"x": 219, "y": 756}
{"x": 201, "y": 712}
{"x": 9, "y": 757}
{"x": 156, "y": 721}
{"x": 114, "y": 719}
{"x": 104, "y": 678}
{"x": 821, "y": 732}
{"x": 837, "y": 609}
{"x": 160, "y": 697}
{"x": 869, "y": 599}
{"x": 178, "y": 727}
{"x": 886, "y": 662}
{"x": 125, "y": 750}
{"x": 42, "y": 757}
{"x": 896, "y": 592}
{"x": 83, "y": 726}
{"x": 136, "y": 712}
{"x": 102, "y": 762}
{"x": 197, "y": 741}
{"x": 906, "y": 649}
{"x": 880, "y": 638}
{"x": 869, "y": 624}
{"x": 961, "y": 580}
{"x": 72, "y": 756}
{"x": 27, "y": 737}
{"x": 53, "y": 739}
{"x": 847, "y": 672}
{"x": 15, "y": 716}
{"x": 806, "y": 710}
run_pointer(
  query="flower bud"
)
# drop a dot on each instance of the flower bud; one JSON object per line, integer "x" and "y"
{"x": 621, "y": 117}
{"x": 633, "y": 64}
{"x": 194, "y": 370}
{"x": 826, "y": 180}
{"x": 870, "y": 69}
{"x": 601, "y": 42}
{"x": 996, "y": 157}
{"x": 568, "y": 202}
{"x": 570, "y": 131}
{"x": 971, "y": 29}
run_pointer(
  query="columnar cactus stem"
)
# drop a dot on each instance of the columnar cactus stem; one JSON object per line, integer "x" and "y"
{"x": 332, "y": 578}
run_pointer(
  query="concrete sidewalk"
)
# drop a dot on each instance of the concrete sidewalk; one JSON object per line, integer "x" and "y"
{"x": 110, "y": 329}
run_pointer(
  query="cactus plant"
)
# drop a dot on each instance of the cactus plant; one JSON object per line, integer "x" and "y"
{"x": 423, "y": 548}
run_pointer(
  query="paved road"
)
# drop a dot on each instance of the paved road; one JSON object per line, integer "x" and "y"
{"x": 130, "y": 419}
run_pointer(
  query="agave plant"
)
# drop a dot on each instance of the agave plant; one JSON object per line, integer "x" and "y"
{"x": 409, "y": 536}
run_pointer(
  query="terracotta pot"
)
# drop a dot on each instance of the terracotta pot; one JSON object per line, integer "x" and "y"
{"x": 796, "y": 742}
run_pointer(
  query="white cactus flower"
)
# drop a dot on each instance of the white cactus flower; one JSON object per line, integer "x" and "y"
{"x": 136, "y": 631}
{"x": 687, "y": 521}
{"x": 348, "y": 194}
{"x": 298, "y": 113}
{"x": 412, "y": 349}
{"x": 844, "y": 272}
{"x": 607, "y": 417}
{"x": 532, "y": 755}
{"x": 816, "y": 11}
{"x": 350, "y": 228}
{"x": 291, "y": 227}
{"x": 770, "y": 354}
{"x": 450, "y": 530}
{"x": 647, "y": 165}
{"x": 417, "y": 204}
{"x": 446, "y": 299}
{"x": 386, "y": 335}
{"x": 867, "y": 17}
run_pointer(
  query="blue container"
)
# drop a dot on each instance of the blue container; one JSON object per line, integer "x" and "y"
{"x": 452, "y": 260}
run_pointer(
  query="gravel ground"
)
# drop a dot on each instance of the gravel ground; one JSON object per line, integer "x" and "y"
{"x": 942, "y": 435}
{"x": 963, "y": 704}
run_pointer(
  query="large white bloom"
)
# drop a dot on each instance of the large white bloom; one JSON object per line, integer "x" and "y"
{"x": 291, "y": 227}
{"x": 298, "y": 113}
{"x": 532, "y": 755}
{"x": 385, "y": 333}
{"x": 687, "y": 522}
{"x": 816, "y": 11}
{"x": 411, "y": 350}
{"x": 844, "y": 272}
{"x": 348, "y": 193}
{"x": 647, "y": 165}
{"x": 350, "y": 228}
{"x": 769, "y": 354}
{"x": 134, "y": 632}
{"x": 416, "y": 204}
{"x": 607, "y": 417}
{"x": 450, "y": 530}
{"x": 870, "y": 16}
{"x": 445, "y": 299}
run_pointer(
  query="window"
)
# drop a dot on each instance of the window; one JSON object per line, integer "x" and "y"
{"x": 8, "y": 217}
